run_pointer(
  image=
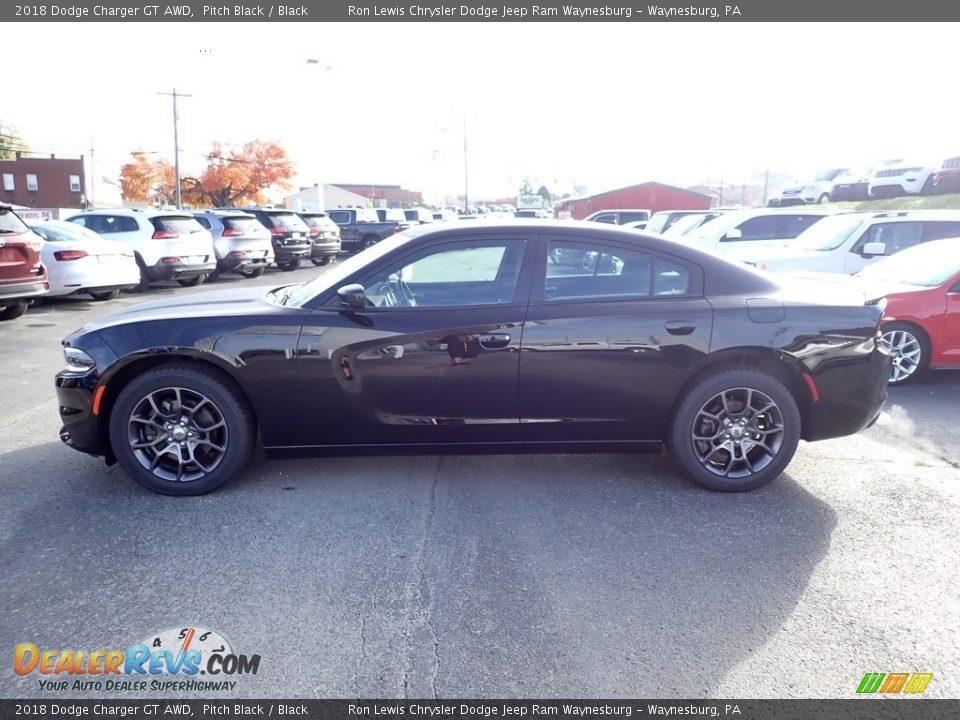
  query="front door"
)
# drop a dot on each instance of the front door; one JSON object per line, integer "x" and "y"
{"x": 434, "y": 357}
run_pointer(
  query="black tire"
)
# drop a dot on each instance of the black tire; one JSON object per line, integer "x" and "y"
{"x": 105, "y": 295}
{"x": 254, "y": 273}
{"x": 368, "y": 241}
{"x": 823, "y": 199}
{"x": 212, "y": 276}
{"x": 192, "y": 282}
{"x": 223, "y": 403}
{"x": 903, "y": 341}
{"x": 12, "y": 312}
{"x": 290, "y": 265}
{"x": 320, "y": 262}
{"x": 699, "y": 436}
{"x": 144, "y": 283}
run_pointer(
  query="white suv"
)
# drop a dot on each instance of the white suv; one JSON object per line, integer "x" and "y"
{"x": 168, "y": 244}
{"x": 902, "y": 178}
{"x": 848, "y": 243}
{"x": 816, "y": 191}
{"x": 753, "y": 229}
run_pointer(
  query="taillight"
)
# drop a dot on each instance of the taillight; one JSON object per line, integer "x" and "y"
{"x": 396, "y": 229}
{"x": 278, "y": 231}
{"x": 314, "y": 232}
{"x": 70, "y": 254}
{"x": 164, "y": 235}
{"x": 231, "y": 232}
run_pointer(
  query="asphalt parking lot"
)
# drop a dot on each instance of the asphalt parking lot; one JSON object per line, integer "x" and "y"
{"x": 470, "y": 576}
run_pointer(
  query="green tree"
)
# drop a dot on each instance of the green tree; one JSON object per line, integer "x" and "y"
{"x": 10, "y": 142}
{"x": 526, "y": 188}
{"x": 544, "y": 193}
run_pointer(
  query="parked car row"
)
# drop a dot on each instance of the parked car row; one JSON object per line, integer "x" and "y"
{"x": 887, "y": 178}
{"x": 100, "y": 252}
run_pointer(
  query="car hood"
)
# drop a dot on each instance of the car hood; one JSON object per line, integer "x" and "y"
{"x": 216, "y": 303}
{"x": 825, "y": 287}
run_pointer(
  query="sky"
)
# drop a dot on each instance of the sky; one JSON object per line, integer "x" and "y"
{"x": 592, "y": 105}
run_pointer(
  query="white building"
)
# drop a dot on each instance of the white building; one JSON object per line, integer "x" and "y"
{"x": 323, "y": 197}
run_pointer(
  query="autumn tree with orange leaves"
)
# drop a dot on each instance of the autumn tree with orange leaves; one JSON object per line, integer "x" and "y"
{"x": 234, "y": 176}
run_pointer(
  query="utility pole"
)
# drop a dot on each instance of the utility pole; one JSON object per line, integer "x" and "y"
{"x": 176, "y": 141}
{"x": 93, "y": 175}
{"x": 466, "y": 174}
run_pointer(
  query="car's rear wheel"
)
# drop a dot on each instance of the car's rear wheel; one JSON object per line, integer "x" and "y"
{"x": 320, "y": 262}
{"x": 290, "y": 265}
{"x": 181, "y": 430}
{"x": 105, "y": 295}
{"x": 12, "y": 312}
{"x": 909, "y": 348}
{"x": 254, "y": 273}
{"x": 191, "y": 282}
{"x": 735, "y": 430}
{"x": 369, "y": 241}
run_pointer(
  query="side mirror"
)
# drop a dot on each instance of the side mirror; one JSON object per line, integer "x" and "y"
{"x": 353, "y": 296}
{"x": 874, "y": 248}
{"x": 733, "y": 234}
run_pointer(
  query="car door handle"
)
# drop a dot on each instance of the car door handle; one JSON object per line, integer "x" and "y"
{"x": 494, "y": 341}
{"x": 679, "y": 327}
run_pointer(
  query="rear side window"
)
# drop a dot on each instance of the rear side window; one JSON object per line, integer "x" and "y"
{"x": 938, "y": 230}
{"x": 606, "y": 218}
{"x": 670, "y": 278}
{"x": 583, "y": 271}
{"x": 10, "y": 223}
{"x": 789, "y": 226}
{"x": 633, "y": 217}
{"x": 178, "y": 225}
{"x": 203, "y": 221}
{"x": 340, "y": 217}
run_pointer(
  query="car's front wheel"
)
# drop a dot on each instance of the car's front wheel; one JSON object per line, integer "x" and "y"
{"x": 182, "y": 430}
{"x": 908, "y": 347}
{"x": 824, "y": 199}
{"x": 105, "y": 295}
{"x": 735, "y": 430}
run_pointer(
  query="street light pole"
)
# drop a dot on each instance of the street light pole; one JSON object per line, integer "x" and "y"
{"x": 176, "y": 142}
{"x": 466, "y": 174}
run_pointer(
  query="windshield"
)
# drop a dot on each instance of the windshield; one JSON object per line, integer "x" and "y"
{"x": 335, "y": 276}
{"x": 827, "y": 175}
{"x": 827, "y": 234}
{"x": 718, "y": 227}
{"x": 926, "y": 265}
{"x": 685, "y": 224}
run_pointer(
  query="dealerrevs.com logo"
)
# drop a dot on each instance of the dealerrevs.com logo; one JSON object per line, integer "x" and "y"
{"x": 168, "y": 660}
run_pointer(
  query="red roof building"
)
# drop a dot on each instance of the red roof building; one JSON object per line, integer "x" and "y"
{"x": 652, "y": 196}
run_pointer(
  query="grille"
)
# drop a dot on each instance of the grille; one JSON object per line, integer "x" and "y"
{"x": 891, "y": 173}
{"x": 952, "y": 164}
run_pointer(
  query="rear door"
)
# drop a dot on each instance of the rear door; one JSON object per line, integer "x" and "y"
{"x": 608, "y": 342}
{"x": 19, "y": 252}
{"x": 433, "y": 359}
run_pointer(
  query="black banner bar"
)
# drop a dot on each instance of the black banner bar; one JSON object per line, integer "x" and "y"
{"x": 854, "y": 709}
{"x": 475, "y": 11}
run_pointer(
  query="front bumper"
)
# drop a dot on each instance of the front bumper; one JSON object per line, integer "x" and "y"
{"x": 175, "y": 271}
{"x": 80, "y": 430}
{"x": 947, "y": 181}
{"x": 852, "y": 393}
{"x": 852, "y": 191}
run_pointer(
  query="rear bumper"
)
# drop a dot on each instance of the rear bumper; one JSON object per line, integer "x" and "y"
{"x": 324, "y": 248}
{"x": 852, "y": 393}
{"x": 23, "y": 291}
{"x": 174, "y": 271}
{"x": 229, "y": 264}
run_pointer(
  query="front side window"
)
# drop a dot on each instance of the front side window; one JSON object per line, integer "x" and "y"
{"x": 896, "y": 236}
{"x": 758, "y": 228}
{"x": 340, "y": 217}
{"x": 450, "y": 275}
{"x": 790, "y": 226}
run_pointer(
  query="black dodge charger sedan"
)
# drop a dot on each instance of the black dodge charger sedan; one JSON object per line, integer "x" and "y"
{"x": 470, "y": 338}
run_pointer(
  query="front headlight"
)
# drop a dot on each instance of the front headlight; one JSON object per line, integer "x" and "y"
{"x": 78, "y": 360}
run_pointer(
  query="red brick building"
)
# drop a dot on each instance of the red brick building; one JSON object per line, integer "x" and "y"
{"x": 651, "y": 196}
{"x": 386, "y": 195}
{"x": 45, "y": 181}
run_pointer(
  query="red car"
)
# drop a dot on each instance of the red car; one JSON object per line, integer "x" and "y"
{"x": 22, "y": 275}
{"x": 921, "y": 325}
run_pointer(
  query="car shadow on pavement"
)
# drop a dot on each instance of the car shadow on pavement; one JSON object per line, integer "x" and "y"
{"x": 456, "y": 576}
